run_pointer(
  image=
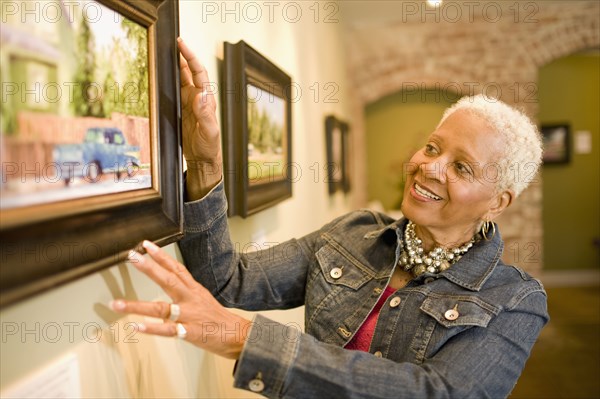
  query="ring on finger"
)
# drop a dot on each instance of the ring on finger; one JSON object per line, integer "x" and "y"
{"x": 181, "y": 331}
{"x": 174, "y": 312}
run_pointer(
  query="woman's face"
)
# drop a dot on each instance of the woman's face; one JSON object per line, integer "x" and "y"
{"x": 451, "y": 182}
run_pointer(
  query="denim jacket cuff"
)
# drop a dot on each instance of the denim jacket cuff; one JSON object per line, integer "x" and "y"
{"x": 268, "y": 354}
{"x": 201, "y": 214}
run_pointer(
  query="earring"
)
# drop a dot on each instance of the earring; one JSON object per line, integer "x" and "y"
{"x": 485, "y": 229}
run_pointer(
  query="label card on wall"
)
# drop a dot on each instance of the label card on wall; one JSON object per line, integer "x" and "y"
{"x": 57, "y": 380}
{"x": 583, "y": 142}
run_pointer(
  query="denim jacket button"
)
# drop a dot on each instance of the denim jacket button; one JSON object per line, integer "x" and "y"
{"x": 378, "y": 354}
{"x": 256, "y": 385}
{"x": 395, "y": 301}
{"x": 429, "y": 280}
{"x": 451, "y": 314}
{"x": 336, "y": 273}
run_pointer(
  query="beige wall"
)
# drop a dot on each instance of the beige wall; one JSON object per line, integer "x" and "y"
{"x": 312, "y": 53}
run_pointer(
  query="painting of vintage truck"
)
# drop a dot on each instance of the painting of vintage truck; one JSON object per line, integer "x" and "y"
{"x": 75, "y": 114}
{"x": 104, "y": 150}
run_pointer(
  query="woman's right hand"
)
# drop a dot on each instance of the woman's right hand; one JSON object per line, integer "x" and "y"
{"x": 201, "y": 133}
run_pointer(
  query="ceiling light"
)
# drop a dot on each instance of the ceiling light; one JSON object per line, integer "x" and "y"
{"x": 434, "y": 3}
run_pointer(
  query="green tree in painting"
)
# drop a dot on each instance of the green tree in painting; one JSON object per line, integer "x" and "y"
{"x": 134, "y": 94}
{"x": 111, "y": 96}
{"x": 86, "y": 95}
{"x": 100, "y": 96}
{"x": 253, "y": 123}
{"x": 264, "y": 134}
{"x": 265, "y": 127}
{"x": 275, "y": 133}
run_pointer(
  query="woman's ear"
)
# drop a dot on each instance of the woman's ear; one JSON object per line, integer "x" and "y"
{"x": 499, "y": 203}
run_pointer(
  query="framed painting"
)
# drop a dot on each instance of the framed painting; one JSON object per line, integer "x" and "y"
{"x": 557, "y": 143}
{"x": 257, "y": 130}
{"x": 91, "y": 147}
{"x": 338, "y": 161}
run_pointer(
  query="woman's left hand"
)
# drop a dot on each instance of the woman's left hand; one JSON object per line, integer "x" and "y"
{"x": 202, "y": 320}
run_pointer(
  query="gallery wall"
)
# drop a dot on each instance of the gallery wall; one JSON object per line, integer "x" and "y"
{"x": 71, "y": 332}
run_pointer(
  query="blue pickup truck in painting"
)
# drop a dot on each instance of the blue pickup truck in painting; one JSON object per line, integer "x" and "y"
{"x": 104, "y": 150}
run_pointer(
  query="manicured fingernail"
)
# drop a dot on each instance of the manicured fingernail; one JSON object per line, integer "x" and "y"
{"x": 150, "y": 246}
{"x": 141, "y": 327}
{"x": 136, "y": 258}
{"x": 117, "y": 304}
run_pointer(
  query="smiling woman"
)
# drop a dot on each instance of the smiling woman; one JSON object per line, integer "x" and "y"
{"x": 460, "y": 180}
{"x": 416, "y": 307}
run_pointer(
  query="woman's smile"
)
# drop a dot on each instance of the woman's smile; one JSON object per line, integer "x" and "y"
{"x": 424, "y": 194}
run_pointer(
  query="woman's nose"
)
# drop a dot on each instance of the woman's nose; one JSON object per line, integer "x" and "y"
{"x": 433, "y": 170}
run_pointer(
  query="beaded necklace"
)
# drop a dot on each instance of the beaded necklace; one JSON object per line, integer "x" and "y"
{"x": 414, "y": 259}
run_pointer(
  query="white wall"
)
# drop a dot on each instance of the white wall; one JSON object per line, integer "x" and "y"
{"x": 62, "y": 322}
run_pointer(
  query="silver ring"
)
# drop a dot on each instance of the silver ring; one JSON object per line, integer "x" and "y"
{"x": 181, "y": 331}
{"x": 175, "y": 312}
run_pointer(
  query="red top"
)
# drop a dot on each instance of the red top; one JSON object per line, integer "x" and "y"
{"x": 363, "y": 337}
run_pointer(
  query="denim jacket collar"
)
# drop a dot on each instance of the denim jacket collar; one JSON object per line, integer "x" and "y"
{"x": 471, "y": 271}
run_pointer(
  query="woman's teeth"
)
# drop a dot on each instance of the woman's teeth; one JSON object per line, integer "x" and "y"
{"x": 426, "y": 193}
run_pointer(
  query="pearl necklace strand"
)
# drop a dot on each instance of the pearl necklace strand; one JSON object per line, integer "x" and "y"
{"x": 413, "y": 256}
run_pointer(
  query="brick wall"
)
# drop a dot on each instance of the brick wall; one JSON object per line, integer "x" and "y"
{"x": 470, "y": 47}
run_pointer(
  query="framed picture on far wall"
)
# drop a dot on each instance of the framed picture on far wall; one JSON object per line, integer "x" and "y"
{"x": 338, "y": 161}
{"x": 91, "y": 149}
{"x": 257, "y": 137}
{"x": 557, "y": 146}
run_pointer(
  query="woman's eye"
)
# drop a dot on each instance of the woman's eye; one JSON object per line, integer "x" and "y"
{"x": 429, "y": 149}
{"x": 462, "y": 168}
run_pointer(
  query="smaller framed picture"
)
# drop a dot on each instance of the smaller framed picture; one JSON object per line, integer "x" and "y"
{"x": 257, "y": 130}
{"x": 557, "y": 147}
{"x": 338, "y": 165}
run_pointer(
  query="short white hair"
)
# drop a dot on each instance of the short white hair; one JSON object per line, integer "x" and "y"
{"x": 521, "y": 154}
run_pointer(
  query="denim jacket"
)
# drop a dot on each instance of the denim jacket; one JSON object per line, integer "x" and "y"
{"x": 339, "y": 272}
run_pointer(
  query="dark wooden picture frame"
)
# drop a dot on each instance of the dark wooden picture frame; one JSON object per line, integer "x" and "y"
{"x": 337, "y": 146}
{"x": 557, "y": 143}
{"x": 45, "y": 245}
{"x": 245, "y": 70}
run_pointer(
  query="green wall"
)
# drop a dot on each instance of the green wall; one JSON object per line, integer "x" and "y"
{"x": 396, "y": 127}
{"x": 569, "y": 91}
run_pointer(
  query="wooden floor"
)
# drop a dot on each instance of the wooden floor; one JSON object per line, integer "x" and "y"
{"x": 565, "y": 362}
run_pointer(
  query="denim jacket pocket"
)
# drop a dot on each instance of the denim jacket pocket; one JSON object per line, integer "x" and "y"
{"x": 447, "y": 316}
{"x": 459, "y": 310}
{"x": 341, "y": 269}
{"x": 333, "y": 287}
